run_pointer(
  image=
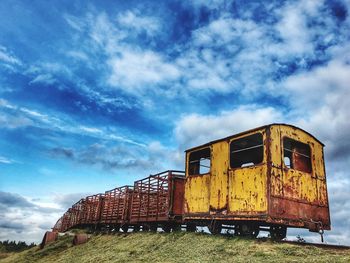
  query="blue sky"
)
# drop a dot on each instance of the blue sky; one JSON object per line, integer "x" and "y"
{"x": 96, "y": 94}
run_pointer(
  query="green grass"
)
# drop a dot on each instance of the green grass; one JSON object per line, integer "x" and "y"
{"x": 175, "y": 247}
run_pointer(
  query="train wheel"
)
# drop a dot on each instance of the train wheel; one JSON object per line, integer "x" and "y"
{"x": 154, "y": 227}
{"x": 116, "y": 228}
{"x": 125, "y": 228}
{"x": 278, "y": 232}
{"x": 247, "y": 230}
{"x": 176, "y": 227}
{"x": 136, "y": 229}
{"x": 215, "y": 227}
{"x": 191, "y": 228}
{"x": 166, "y": 228}
{"x": 145, "y": 228}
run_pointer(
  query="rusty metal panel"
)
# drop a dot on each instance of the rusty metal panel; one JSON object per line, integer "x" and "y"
{"x": 80, "y": 239}
{"x": 299, "y": 192}
{"x": 275, "y": 162}
{"x": 247, "y": 190}
{"x": 177, "y": 195}
{"x": 299, "y": 214}
{"x": 197, "y": 191}
{"x": 49, "y": 237}
{"x": 296, "y": 183}
{"x": 219, "y": 177}
{"x": 115, "y": 205}
{"x": 151, "y": 198}
{"x": 275, "y": 146}
{"x": 299, "y": 186}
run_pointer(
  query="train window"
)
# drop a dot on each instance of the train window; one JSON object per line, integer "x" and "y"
{"x": 297, "y": 155}
{"x": 199, "y": 162}
{"x": 247, "y": 151}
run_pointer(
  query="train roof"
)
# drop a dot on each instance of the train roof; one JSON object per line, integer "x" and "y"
{"x": 252, "y": 130}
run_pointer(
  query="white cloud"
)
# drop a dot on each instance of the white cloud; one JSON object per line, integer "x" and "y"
{"x": 13, "y": 117}
{"x": 8, "y": 58}
{"x": 25, "y": 220}
{"x": 14, "y": 121}
{"x": 136, "y": 71}
{"x": 138, "y": 22}
{"x": 293, "y": 26}
{"x": 67, "y": 200}
{"x": 74, "y": 22}
{"x": 79, "y": 55}
{"x": 5, "y": 160}
{"x": 6, "y": 104}
{"x": 46, "y": 72}
{"x": 34, "y": 114}
{"x": 90, "y": 129}
{"x": 320, "y": 102}
{"x": 196, "y": 129}
{"x": 43, "y": 78}
{"x": 212, "y": 4}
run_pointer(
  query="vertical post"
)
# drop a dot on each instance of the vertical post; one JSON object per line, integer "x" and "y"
{"x": 158, "y": 190}
{"x": 148, "y": 196}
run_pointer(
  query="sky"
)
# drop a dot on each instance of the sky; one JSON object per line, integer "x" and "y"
{"x": 97, "y": 94}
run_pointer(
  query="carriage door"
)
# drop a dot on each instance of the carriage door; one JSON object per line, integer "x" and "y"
{"x": 219, "y": 178}
{"x": 299, "y": 182}
{"x": 197, "y": 181}
{"x": 247, "y": 174}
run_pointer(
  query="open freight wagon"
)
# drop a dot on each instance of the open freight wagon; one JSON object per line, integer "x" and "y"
{"x": 116, "y": 207}
{"x": 157, "y": 201}
{"x": 92, "y": 209}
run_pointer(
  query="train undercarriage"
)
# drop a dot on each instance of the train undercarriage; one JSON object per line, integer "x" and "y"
{"x": 241, "y": 229}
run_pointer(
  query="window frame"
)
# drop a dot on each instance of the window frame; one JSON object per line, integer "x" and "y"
{"x": 282, "y": 155}
{"x": 241, "y": 137}
{"x": 188, "y": 161}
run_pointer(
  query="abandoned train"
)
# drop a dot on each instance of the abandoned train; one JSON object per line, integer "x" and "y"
{"x": 265, "y": 179}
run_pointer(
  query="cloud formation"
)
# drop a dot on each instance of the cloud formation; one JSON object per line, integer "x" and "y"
{"x": 196, "y": 129}
{"x": 150, "y": 159}
{"x": 22, "y": 219}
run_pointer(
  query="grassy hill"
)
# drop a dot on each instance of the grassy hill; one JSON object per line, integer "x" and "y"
{"x": 175, "y": 247}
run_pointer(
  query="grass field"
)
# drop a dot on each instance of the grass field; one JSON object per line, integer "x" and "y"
{"x": 175, "y": 247}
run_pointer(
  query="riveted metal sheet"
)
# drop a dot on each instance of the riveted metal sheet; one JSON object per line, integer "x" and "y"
{"x": 219, "y": 177}
{"x": 197, "y": 194}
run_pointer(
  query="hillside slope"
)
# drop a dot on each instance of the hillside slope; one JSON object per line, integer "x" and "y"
{"x": 175, "y": 247}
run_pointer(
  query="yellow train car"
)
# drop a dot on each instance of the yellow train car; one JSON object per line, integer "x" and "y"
{"x": 268, "y": 178}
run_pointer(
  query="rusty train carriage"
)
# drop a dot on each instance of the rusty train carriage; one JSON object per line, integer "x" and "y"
{"x": 155, "y": 201}
{"x": 65, "y": 222}
{"x": 271, "y": 176}
{"x": 158, "y": 199}
{"x": 268, "y": 178}
{"x": 115, "y": 207}
{"x": 92, "y": 209}
{"x": 77, "y": 212}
